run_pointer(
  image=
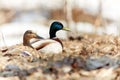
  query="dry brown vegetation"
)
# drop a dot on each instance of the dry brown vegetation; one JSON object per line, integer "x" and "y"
{"x": 93, "y": 57}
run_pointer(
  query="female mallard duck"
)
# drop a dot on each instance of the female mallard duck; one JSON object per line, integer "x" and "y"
{"x": 52, "y": 45}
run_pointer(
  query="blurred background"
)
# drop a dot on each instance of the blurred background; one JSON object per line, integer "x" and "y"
{"x": 81, "y": 16}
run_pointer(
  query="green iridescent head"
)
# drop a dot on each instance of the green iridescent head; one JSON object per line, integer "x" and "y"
{"x": 56, "y": 26}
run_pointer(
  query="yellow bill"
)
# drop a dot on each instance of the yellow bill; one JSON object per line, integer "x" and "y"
{"x": 66, "y": 29}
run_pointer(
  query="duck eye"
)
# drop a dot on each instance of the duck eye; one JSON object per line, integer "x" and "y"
{"x": 30, "y": 32}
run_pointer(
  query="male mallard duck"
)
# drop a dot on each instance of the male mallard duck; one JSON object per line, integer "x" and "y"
{"x": 52, "y": 45}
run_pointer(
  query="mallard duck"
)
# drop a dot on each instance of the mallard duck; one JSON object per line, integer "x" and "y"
{"x": 51, "y": 45}
{"x": 28, "y": 35}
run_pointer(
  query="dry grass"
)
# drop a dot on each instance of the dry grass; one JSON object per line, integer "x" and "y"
{"x": 18, "y": 64}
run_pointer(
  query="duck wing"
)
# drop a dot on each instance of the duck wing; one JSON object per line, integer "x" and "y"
{"x": 39, "y": 44}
